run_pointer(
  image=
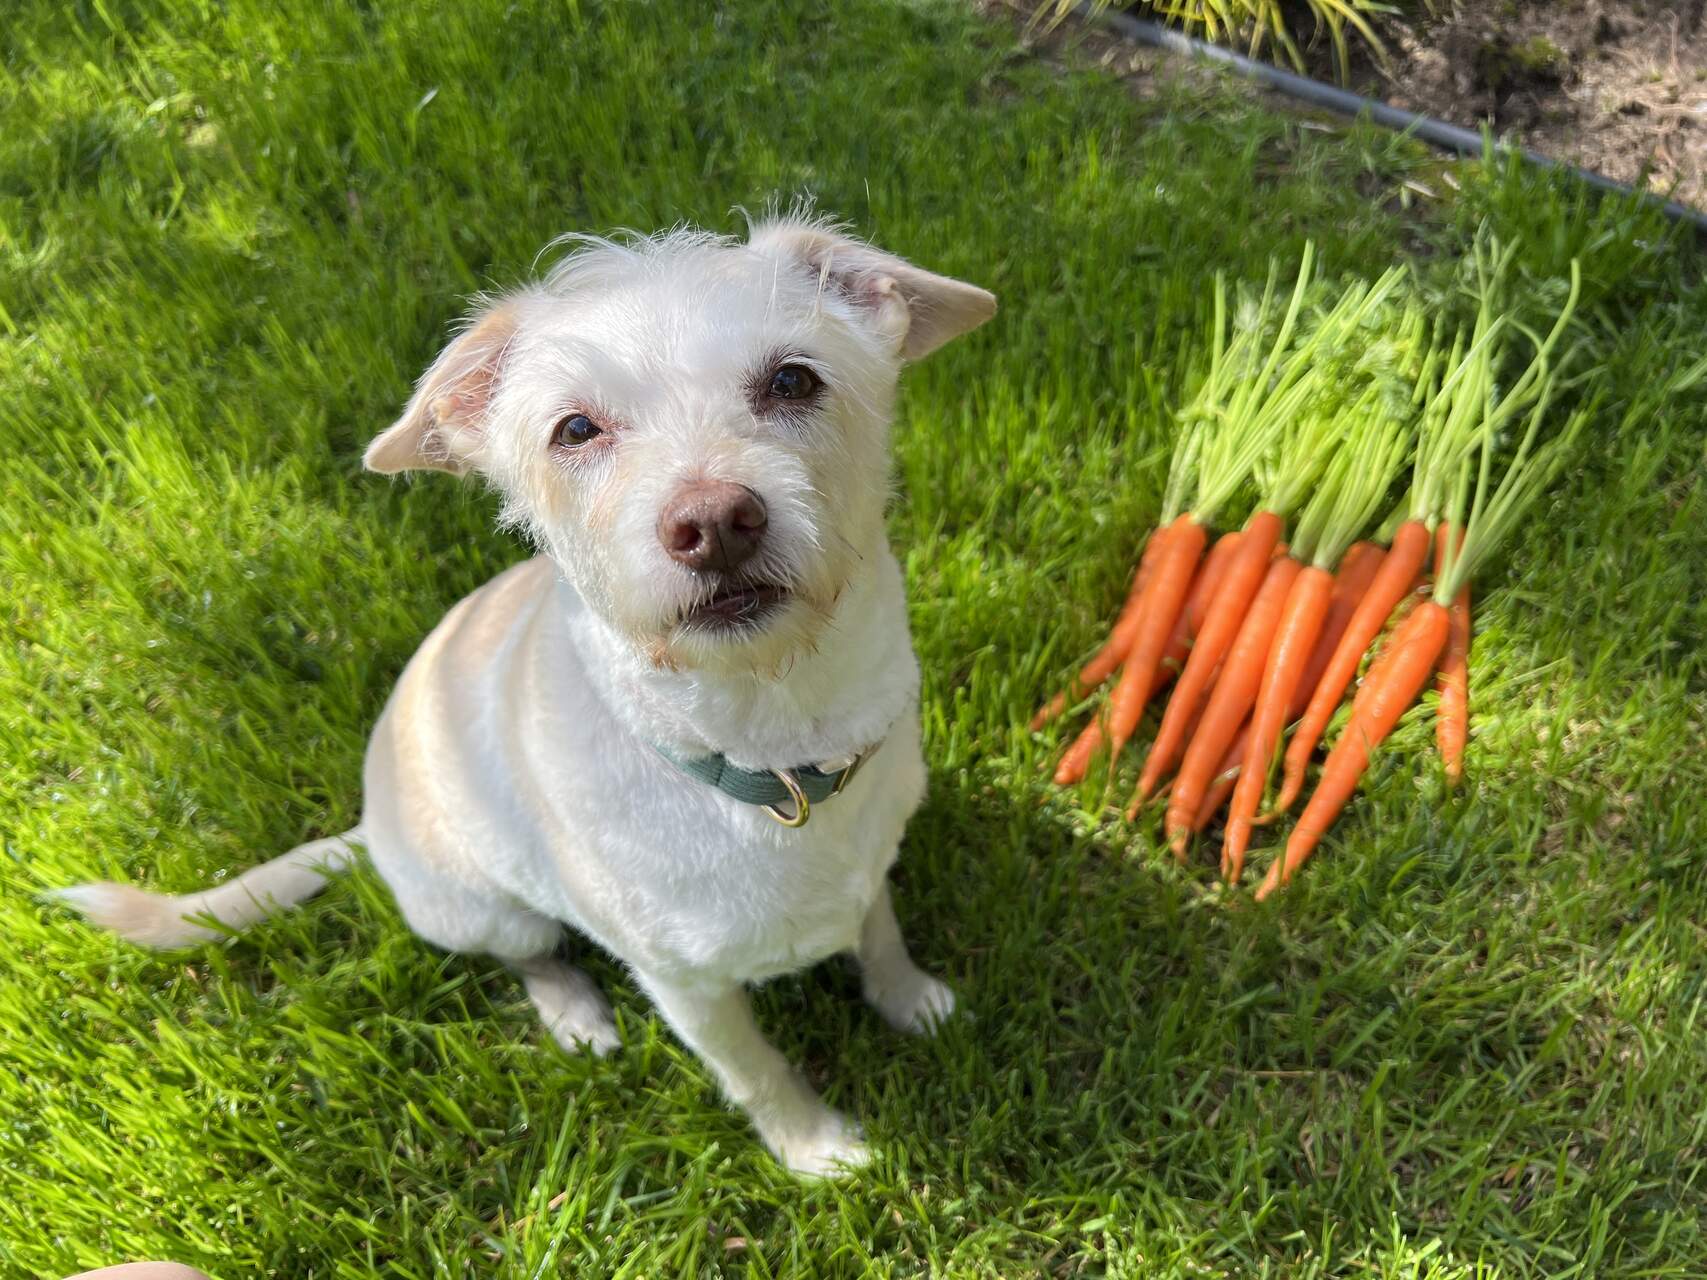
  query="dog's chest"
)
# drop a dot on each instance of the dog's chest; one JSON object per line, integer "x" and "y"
{"x": 687, "y": 880}
{"x": 751, "y": 912}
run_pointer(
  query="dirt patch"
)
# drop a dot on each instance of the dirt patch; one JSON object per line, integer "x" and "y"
{"x": 1616, "y": 86}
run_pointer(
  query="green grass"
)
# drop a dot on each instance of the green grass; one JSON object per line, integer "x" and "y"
{"x": 1468, "y": 1044}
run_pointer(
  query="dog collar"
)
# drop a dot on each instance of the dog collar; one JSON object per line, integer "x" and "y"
{"x": 802, "y": 786}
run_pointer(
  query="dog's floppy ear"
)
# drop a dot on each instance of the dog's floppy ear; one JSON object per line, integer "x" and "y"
{"x": 917, "y": 309}
{"x": 440, "y": 427}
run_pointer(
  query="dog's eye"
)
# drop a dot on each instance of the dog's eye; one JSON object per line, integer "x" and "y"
{"x": 793, "y": 382}
{"x": 576, "y": 429}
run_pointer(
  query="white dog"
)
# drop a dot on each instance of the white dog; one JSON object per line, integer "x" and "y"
{"x": 650, "y": 733}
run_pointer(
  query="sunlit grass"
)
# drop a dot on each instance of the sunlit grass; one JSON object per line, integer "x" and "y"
{"x": 1468, "y": 1044}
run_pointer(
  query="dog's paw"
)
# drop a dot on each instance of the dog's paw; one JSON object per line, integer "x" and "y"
{"x": 916, "y": 1004}
{"x": 595, "y": 1034}
{"x": 572, "y": 1008}
{"x": 832, "y": 1148}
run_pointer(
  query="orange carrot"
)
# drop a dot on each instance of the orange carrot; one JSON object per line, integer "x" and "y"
{"x": 1351, "y": 584}
{"x": 1391, "y": 584}
{"x": 1076, "y": 760}
{"x": 1215, "y": 798}
{"x": 1228, "y": 774}
{"x": 1452, "y": 718}
{"x": 1388, "y": 692}
{"x": 1226, "y": 777}
{"x": 1344, "y": 502}
{"x": 1246, "y": 570}
{"x": 1163, "y": 600}
{"x": 1301, "y": 619}
{"x": 1466, "y": 414}
{"x": 1113, "y": 652}
{"x": 1234, "y": 694}
{"x": 1051, "y": 709}
{"x": 1203, "y": 590}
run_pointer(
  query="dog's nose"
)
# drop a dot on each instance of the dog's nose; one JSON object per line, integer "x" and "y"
{"x": 713, "y": 525}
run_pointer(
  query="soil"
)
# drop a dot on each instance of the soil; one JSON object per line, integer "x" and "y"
{"x": 1616, "y": 86}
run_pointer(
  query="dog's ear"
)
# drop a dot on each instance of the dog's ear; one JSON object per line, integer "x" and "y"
{"x": 440, "y": 427}
{"x": 916, "y": 309}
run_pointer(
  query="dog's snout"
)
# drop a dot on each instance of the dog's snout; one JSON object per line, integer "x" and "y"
{"x": 713, "y": 526}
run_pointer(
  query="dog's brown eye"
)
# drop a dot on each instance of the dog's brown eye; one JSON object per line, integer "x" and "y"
{"x": 576, "y": 429}
{"x": 793, "y": 382}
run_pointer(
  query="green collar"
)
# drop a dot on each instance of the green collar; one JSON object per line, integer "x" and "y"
{"x": 801, "y": 787}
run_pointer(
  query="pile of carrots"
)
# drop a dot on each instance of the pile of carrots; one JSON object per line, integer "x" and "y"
{"x": 1320, "y": 411}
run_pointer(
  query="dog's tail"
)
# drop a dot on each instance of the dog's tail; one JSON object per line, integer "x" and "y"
{"x": 160, "y": 920}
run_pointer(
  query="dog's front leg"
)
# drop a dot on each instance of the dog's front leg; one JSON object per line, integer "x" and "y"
{"x": 792, "y": 1121}
{"x": 908, "y": 998}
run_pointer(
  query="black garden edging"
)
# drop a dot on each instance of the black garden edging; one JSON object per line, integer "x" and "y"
{"x": 1448, "y": 137}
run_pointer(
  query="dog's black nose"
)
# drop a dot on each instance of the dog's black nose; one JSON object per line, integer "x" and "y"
{"x": 713, "y": 525}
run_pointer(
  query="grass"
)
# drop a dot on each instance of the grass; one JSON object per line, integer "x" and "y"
{"x": 1468, "y": 1044}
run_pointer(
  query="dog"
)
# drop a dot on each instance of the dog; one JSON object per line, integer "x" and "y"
{"x": 688, "y": 729}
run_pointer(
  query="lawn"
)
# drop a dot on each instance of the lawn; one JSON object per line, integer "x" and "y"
{"x": 1470, "y": 1043}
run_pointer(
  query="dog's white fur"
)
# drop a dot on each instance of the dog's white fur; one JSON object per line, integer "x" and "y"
{"x": 513, "y": 783}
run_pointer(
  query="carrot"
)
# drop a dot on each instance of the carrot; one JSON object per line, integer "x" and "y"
{"x": 1410, "y": 656}
{"x": 1346, "y": 500}
{"x": 1404, "y": 559}
{"x": 1351, "y": 584}
{"x": 1388, "y": 691}
{"x": 1163, "y": 600}
{"x": 1226, "y": 776}
{"x": 1203, "y": 590}
{"x": 1234, "y": 694}
{"x": 1456, "y": 391}
{"x": 1216, "y": 796}
{"x": 1077, "y": 759}
{"x": 1251, "y": 394}
{"x": 1452, "y": 718}
{"x": 1284, "y": 401}
{"x": 1245, "y": 574}
{"x": 1301, "y": 619}
{"x": 1113, "y": 652}
{"x": 1257, "y": 394}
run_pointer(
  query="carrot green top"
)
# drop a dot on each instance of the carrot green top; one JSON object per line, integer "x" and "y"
{"x": 1267, "y": 407}
{"x": 1466, "y": 409}
{"x": 1377, "y": 439}
{"x": 1494, "y": 514}
{"x": 1228, "y": 418}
